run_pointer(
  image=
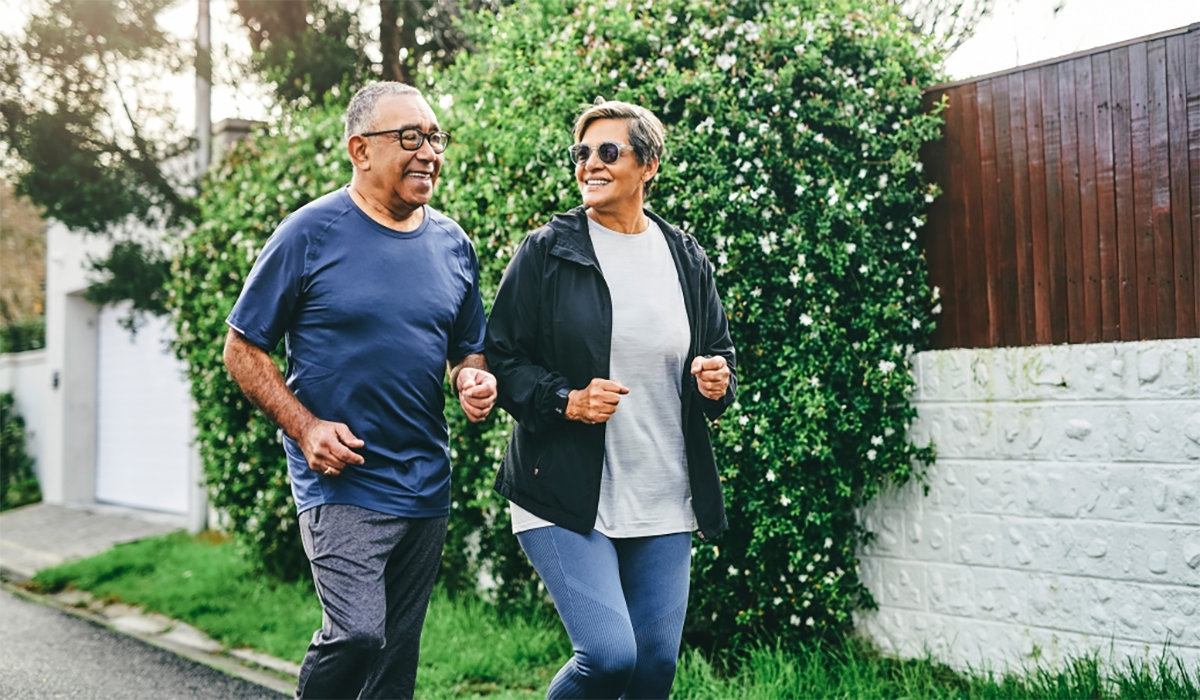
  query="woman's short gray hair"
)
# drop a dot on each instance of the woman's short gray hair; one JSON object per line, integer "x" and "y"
{"x": 361, "y": 116}
{"x": 646, "y": 132}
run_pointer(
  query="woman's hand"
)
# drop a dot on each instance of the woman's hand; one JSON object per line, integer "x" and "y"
{"x": 712, "y": 376}
{"x": 595, "y": 403}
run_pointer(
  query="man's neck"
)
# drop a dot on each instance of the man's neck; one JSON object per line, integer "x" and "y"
{"x": 401, "y": 218}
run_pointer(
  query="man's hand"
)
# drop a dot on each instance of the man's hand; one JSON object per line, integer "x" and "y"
{"x": 595, "y": 403}
{"x": 712, "y": 376}
{"x": 326, "y": 446}
{"x": 476, "y": 393}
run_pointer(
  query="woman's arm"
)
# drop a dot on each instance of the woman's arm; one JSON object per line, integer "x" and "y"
{"x": 528, "y": 391}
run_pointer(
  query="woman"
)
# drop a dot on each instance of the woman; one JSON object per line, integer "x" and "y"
{"x": 610, "y": 345}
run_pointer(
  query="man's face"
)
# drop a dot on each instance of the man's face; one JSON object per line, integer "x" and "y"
{"x": 407, "y": 177}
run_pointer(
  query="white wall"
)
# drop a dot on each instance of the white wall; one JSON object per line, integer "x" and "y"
{"x": 24, "y": 374}
{"x": 1063, "y": 513}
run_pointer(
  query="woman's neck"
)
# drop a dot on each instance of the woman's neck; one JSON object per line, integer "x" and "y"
{"x": 629, "y": 222}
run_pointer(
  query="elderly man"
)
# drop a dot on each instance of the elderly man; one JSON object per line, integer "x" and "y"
{"x": 376, "y": 294}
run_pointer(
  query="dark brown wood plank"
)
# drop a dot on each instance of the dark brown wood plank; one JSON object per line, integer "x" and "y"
{"x": 1010, "y": 313}
{"x": 1160, "y": 159}
{"x": 1055, "y": 247}
{"x": 1193, "y": 111}
{"x": 1089, "y": 234}
{"x": 990, "y": 189}
{"x": 935, "y": 236}
{"x": 1022, "y": 228}
{"x": 1106, "y": 206}
{"x": 1186, "y": 291}
{"x": 955, "y": 297}
{"x": 1069, "y": 178}
{"x": 1122, "y": 120}
{"x": 976, "y": 299}
{"x": 1037, "y": 206}
{"x": 1143, "y": 192}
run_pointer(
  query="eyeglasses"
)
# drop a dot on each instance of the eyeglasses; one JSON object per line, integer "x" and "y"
{"x": 608, "y": 152}
{"x": 412, "y": 138}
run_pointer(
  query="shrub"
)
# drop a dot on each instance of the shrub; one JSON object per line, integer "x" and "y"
{"x": 18, "y": 483}
{"x": 258, "y": 183}
{"x": 25, "y": 334}
{"x": 793, "y": 132}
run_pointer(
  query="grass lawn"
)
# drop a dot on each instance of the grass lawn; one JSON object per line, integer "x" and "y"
{"x": 468, "y": 650}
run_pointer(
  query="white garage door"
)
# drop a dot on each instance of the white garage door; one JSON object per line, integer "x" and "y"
{"x": 143, "y": 417}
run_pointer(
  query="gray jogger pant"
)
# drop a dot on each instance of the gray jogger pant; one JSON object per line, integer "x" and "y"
{"x": 374, "y": 574}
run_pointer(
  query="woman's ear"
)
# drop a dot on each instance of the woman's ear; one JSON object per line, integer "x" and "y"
{"x": 650, "y": 170}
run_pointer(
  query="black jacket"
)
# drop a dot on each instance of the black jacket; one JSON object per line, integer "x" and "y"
{"x": 551, "y": 327}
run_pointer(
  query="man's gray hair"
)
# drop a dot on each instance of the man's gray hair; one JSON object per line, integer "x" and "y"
{"x": 360, "y": 115}
{"x": 646, "y": 132}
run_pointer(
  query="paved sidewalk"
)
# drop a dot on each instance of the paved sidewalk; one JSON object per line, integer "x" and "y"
{"x": 42, "y": 535}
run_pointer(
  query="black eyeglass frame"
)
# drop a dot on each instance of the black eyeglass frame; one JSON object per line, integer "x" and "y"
{"x": 422, "y": 138}
{"x": 573, "y": 152}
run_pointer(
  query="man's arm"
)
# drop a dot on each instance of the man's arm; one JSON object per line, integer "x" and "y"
{"x": 475, "y": 386}
{"x": 326, "y": 445}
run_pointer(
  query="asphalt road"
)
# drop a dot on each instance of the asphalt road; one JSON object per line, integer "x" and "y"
{"x": 45, "y": 653}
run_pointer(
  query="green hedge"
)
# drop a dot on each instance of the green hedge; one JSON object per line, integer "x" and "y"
{"x": 793, "y": 132}
{"x": 25, "y": 334}
{"x": 18, "y": 482}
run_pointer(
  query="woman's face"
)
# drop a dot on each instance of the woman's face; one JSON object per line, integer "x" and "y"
{"x": 616, "y": 186}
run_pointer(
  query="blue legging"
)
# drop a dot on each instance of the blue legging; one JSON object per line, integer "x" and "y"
{"x": 622, "y": 601}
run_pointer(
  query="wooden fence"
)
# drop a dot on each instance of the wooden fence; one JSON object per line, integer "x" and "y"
{"x": 1070, "y": 210}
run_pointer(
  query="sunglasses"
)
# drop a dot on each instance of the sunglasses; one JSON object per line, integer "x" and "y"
{"x": 608, "y": 152}
{"x": 412, "y": 138}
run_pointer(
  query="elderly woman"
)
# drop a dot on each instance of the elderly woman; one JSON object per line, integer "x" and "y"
{"x": 610, "y": 346}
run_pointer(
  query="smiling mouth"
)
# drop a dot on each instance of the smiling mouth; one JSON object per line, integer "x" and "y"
{"x": 421, "y": 176}
{"x": 596, "y": 183}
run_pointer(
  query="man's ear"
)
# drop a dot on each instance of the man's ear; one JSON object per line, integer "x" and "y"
{"x": 357, "y": 148}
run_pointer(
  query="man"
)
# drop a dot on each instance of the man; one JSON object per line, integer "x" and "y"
{"x": 376, "y": 294}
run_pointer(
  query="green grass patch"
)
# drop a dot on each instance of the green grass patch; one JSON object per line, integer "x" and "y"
{"x": 469, "y": 650}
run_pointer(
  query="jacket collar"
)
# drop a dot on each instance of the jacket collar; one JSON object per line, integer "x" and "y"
{"x": 573, "y": 242}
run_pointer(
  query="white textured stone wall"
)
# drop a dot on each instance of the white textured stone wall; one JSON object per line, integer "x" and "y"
{"x": 1063, "y": 513}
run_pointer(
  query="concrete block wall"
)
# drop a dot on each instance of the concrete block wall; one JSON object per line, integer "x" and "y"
{"x": 1062, "y": 515}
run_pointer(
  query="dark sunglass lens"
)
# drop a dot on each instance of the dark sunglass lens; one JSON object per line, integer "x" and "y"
{"x": 580, "y": 153}
{"x": 608, "y": 152}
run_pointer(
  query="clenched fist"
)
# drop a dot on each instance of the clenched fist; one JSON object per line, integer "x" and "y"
{"x": 712, "y": 376}
{"x": 595, "y": 403}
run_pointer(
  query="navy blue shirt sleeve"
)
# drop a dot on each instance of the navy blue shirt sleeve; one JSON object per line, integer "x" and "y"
{"x": 273, "y": 288}
{"x": 470, "y": 324}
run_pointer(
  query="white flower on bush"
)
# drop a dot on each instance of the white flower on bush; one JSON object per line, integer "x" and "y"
{"x": 806, "y": 320}
{"x": 871, "y": 455}
{"x": 777, "y": 600}
{"x": 796, "y": 620}
{"x": 809, "y": 622}
{"x": 785, "y": 501}
{"x": 813, "y": 381}
{"x": 936, "y": 310}
{"x": 828, "y": 542}
{"x": 819, "y": 138}
{"x": 756, "y": 292}
{"x": 877, "y": 440}
{"x": 770, "y": 475}
{"x": 794, "y": 278}
{"x": 886, "y": 366}
{"x": 801, "y": 260}
{"x": 862, "y": 269}
{"x": 937, "y": 292}
{"x": 732, "y": 571}
{"x": 724, "y": 61}
{"x": 916, "y": 324}
{"x": 742, "y": 420}
{"x": 850, "y": 248}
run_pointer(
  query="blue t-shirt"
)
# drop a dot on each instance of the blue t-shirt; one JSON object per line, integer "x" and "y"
{"x": 370, "y": 316}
